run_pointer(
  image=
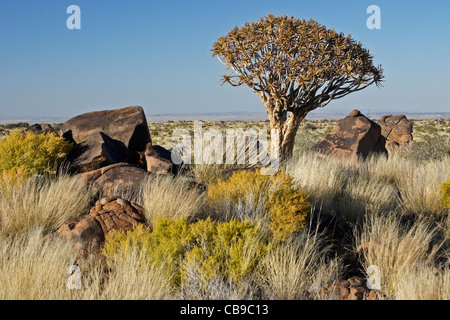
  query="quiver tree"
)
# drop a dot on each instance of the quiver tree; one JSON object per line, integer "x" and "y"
{"x": 295, "y": 66}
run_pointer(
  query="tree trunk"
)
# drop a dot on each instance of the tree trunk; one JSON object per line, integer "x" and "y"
{"x": 285, "y": 129}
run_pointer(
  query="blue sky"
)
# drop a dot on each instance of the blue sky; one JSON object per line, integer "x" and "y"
{"x": 157, "y": 54}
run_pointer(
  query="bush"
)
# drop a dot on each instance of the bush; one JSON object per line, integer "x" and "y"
{"x": 228, "y": 249}
{"x": 288, "y": 210}
{"x": 35, "y": 154}
{"x": 287, "y": 207}
{"x": 445, "y": 191}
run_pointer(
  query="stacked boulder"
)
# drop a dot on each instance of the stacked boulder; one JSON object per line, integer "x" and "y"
{"x": 113, "y": 149}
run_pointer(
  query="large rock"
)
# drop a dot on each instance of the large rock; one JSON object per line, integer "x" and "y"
{"x": 159, "y": 160}
{"x": 88, "y": 232}
{"x": 127, "y": 125}
{"x": 97, "y": 151}
{"x": 355, "y": 136}
{"x": 116, "y": 179}
{"x": 397, "y": 131}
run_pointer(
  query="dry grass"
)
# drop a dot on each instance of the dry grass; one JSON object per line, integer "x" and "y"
{"x": 170, "y": 197}
{"x": 136, "y": 278}
{"x": 34, "y": 267}
{"x": 392, "y": 203}
{"x": 424, "y": 283}
{"x": 297, "y": 268}
{"x": 42, "y": 203}
{"x": 374, "y": 186}
{"x": 397, "y": 249}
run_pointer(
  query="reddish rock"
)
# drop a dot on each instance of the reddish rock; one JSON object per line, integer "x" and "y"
{"x": 88, "y": 232}
{"x": 355, "y": 136}
{"x": 118, "y": 179}
{"x": 353, "y": 288}
{"x": 397, "y": 131}
{"x": 159, "y": 160}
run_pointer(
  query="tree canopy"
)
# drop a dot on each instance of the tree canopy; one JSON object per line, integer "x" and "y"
{"x": 300, "y": 63}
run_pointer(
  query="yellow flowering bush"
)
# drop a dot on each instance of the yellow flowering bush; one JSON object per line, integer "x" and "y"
{"x": 25, "y": 153}
{"x": 229, "y": 249}
{"x": 288, "y": 207}
{"x": 288, "y": 210}
{"x": 445, "y": 191}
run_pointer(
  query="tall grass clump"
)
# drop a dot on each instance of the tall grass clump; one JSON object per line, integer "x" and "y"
{"x": 378, "y": 184}
{"x": 297, "y": 269}
{"x": 323, "y": 179}
{"x": 397, "y": 248}
{"x": 136, "y": 278}
{"x": 424, "y": 283}
{"x": 420, "y": 187}
{"x": 42, "y": 202}
{"x": 35, "y": 267}
{"x": 165, "y": 196}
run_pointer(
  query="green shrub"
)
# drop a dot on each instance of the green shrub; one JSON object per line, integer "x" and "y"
{"x": 288, "y": 207}
{"x": 16, "y": 125}
{"x": 228, "y": 249}
{"x": 35, "y": 154}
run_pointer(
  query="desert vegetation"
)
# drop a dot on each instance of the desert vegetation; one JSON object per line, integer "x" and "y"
{"x": 229, "y": 232}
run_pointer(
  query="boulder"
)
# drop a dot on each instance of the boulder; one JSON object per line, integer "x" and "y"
{"x": 97, "y": 151}
{"x": 117, "y": 179}
{"x": 159, "y": 160}
{"x": 397, "y": 130}
{"x": 88, "y": 232}
{"x": 41, "y": 128}
{"x": 127, "y": 125}
{"x": 355, "y": 136}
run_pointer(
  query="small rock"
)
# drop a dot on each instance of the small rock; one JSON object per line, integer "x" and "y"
{"x": 42, "y": 128}
{"x": 355, "y": 113}
{"x": 159, "y": 160}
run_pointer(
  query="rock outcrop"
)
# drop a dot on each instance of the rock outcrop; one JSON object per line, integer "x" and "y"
{"x": 115, "y": 179}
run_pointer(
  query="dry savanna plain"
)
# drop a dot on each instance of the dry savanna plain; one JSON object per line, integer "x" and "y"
{"x": 320, "y": 229}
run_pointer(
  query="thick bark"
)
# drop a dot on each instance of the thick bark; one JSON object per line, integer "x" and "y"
{"x": 286, "y": 128}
